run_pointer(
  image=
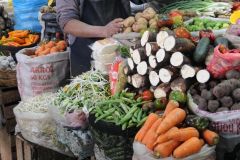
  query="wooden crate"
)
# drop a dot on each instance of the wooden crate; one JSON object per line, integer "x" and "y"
{"x": 29, "y": 151}
{"x": 9, "y": 95}
{"x": 7, "y": 145}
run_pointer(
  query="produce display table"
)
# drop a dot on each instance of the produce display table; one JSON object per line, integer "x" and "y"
{"x": 7, "y": 145}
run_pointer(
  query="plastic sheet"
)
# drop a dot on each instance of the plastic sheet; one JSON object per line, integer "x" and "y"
{"x": 26, "y": 14}
{"x": 80, "y": 142}
{"x": 142, "y": 153}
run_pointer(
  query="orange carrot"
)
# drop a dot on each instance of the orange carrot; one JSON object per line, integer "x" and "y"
{"x": 165, "y": 137}
{"x": 175, "y": 117}
{"x": 165, "y": 149}
{"x": 170, "y": 106}
{"x": 151, "y": 135}
{"x": 189, "y": 147}
{"x": 184, "y": 134}
{"x": 210, "y": 137}
{"x": 147, "y": 125}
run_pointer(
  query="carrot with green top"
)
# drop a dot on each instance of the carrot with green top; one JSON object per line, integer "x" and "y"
{"x": 210, "y": 137}
{"x": 189, "y": 147}
{"x": 172, "y": 104}
{"x": 165, "y": 137}
{"x": 184, "y": 134}
{"x": 151, "y": 135}
{"x": 175, "y": 117}
{"x": 147, "y": 125}
{"x": 165, "y": 149}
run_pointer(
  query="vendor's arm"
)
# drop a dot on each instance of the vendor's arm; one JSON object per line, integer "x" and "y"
{"x": 69, "y": 20}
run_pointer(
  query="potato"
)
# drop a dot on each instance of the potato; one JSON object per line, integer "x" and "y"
{"x": 138, "y": 27}
{"x": 127, "y": 30}
{"x": 138, "y": 15}
{"x": 128, "y": 22}
{"x": 153, "y": 25}
{"x": 142, "y": 21}
{"x": 149, "y": 13}
{"x": 152, "y": 21}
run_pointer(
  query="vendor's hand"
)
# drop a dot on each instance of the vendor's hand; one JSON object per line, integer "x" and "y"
{"x": 113, "y": 27}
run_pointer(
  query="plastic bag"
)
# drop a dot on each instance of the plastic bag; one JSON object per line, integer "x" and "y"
{"x": 142, "y": 153}
{"x": 27, "y": 11}
{"x": 41, "y": 74}
{"x": 75, "y": 119}
{"x": 221, "y": 63}
{"x": 80, "y": 142}
{"x": 38, "y": 128}
{"x": 232, "y": 35}
{"x": 226, "y": 122}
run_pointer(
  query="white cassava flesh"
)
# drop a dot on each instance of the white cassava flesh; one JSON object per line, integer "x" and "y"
{"x": 138, "y": 81}
{"x": 144, "y": 38}
{"x": 159, "y": 93}
{"x": 129, "y": 79}
{"x": 187, "y": 71}
{"x": 148, "y": 49}
{"x": 161, "y": 36}
{"x": 154, "y": 78}
{"x": 151, "y": 48}
{"x": 130, "y": 63}
{"x": 139, "y": 55}
{"x": 203, "y": 76}
{"x": 177, "y": 59}
{"x": 169, "y": 43}
{"x": 165, "y": 75}
{"x": 152, "y": 61}
{"x": 142, "y": 68}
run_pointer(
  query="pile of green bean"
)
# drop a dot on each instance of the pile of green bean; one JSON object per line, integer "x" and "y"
{"x": 121, "y": 109}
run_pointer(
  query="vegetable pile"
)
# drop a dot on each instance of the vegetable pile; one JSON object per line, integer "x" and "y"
{"x": 141, "y": 22}
{"x": 218, "y": 96}
{"x": 161, "y": 134}
{"x": 87, "y": 90}
{"x": 203, "y": 24}
{"x": 49, "y": 48}
{"x": 7, "y": 63}
{"x": 121, "y": 109}
{"x": 19, "y": 38}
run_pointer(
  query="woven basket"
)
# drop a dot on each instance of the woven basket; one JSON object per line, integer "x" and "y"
{"x": 8, "y": 78}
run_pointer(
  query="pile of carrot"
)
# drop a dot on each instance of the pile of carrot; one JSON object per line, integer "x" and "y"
{"x": 50, "y": 47}
{"x": 19, "y": 38}
{"x": 161, "y": 135}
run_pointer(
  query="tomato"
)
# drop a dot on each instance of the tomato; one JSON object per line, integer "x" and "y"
{"x": 147, "y": 95}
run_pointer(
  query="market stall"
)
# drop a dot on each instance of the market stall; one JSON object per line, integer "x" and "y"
{"x": 167, "y": 87}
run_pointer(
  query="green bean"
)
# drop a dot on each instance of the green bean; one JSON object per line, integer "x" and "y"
{"x": 135, "y": 119}
{"x": 124, "y": 126}
{"x": 142, "y": 121}
{"x": 108, "y": 112}
{"x": 136, "y": 114}
{"x": 127, "y": 100}
{"x": 139, "y": 115}
{"x": 128, "y": 115}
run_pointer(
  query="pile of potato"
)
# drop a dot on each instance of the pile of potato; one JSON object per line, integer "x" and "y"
{"x": 7, "y": 62}
{"x": 142, "y": 21}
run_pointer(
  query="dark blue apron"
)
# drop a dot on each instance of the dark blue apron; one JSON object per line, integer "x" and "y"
{"x": 99, "y": 13}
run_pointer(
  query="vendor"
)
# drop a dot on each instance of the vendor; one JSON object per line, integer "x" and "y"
{"x": 85, "y": 21}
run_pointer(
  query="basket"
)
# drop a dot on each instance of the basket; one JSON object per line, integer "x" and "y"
{"x": 8, "y": 78}
{"x": 111, "y": 140}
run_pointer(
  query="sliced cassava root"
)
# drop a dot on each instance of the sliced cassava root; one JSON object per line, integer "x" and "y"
{"x": 139, "y": 55}
{"x": 148, "y": 37}
{"x": 178, "y": 45}
{"x": 154, "y": 78}
{"x": 203, "y": 76}
{"x": 161, "y": 36}
{"x": 151, "y": 48}
{"x": 152, "y": 61}
{"x": 178, "y": 59}
{"x": 187, "y": 71}
{"x": 130, "y": 64}
{"x": 165, "y": 75}
{"x": 142, "y": 68}
{"x": 162, "y": 56}
{"x": 179, "y": 84}
{"x": 162, "y": 91}
{"x": 138, "y": 81}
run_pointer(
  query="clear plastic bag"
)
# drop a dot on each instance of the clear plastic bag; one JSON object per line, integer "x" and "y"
{"x": 80, "y": 142}
{"x": 38, "y": 128}
{"x": 142, "y": 153}
{"x": 221, "y": 63}
{"x": 75, "y": 119}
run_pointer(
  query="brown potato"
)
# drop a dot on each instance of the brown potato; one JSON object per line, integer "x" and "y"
{"x": 128, "y": 22}
{"x": 152, "y": 21}
{"x": 127, "y": 30}
{"x": 138, "y": 15}
{"x": 149, "y": 13}
{"x": 142, "y": 21}
{"x": 138, "y": 27}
